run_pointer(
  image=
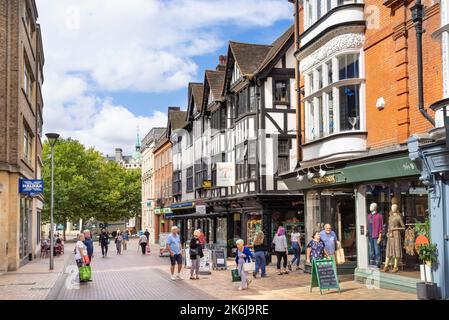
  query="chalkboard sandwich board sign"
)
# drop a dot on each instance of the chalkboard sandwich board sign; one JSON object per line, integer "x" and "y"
{"x": 219, "y": 260}
{"x": 324, "y": 275}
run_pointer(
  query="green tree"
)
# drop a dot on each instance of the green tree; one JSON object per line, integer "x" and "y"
{"x": 74, "y": 173}
{"x": 88, "y": 186}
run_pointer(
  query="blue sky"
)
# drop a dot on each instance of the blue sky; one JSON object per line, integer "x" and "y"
{"x": 112, "y": 66}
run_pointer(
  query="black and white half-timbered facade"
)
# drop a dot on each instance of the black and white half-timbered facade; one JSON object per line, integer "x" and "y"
{"x": 246, "y": 121}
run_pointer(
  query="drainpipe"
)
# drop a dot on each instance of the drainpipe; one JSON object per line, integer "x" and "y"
{"x": 417, "y": 17}
{"x": 298, "y": 84}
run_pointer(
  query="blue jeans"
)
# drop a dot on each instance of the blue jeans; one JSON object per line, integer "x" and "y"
{"x": 374, "y": 251}
{"x": 260, "y": 262}
{"x": 296, "y": 251}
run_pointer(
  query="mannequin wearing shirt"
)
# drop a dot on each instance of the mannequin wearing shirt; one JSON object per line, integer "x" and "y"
{"x": 375, "y": 223}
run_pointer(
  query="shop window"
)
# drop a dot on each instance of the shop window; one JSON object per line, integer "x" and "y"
{"x": 253, "y": 226}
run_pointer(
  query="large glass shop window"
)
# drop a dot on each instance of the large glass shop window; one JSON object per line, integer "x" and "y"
{"x": 221, "y": 232}
{"x": 289, "y": 220}
{"x": 253, "y": 226}
{"x": 412, "y": 200}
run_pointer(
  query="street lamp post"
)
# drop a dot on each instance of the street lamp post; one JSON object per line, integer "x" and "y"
{"x": 52, "y": 139}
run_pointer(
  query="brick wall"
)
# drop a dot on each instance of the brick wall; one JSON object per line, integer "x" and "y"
{"x": 391, "y": 73}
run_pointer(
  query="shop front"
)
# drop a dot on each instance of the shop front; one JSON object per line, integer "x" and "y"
{"x": 342, "y": 198}
{"x": 161, "y": 222}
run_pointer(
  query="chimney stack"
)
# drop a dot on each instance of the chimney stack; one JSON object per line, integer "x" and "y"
{"x": 174, "y": 108}
{"x": 221, "y": 63}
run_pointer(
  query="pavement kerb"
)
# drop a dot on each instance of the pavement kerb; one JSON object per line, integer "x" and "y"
{"x": 54, "y": 292}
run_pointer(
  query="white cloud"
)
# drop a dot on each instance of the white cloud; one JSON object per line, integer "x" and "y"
{"x": 133, "y": 45}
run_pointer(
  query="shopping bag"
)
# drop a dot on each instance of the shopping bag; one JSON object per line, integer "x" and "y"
{"x": 148, "y": 249}
{"x": 340, "y": 255}
{"x": 235, "y": 275}
{"x": 86, "y": 260}
{"x": 85, "y": 273}
{"x": 249, "y": 266}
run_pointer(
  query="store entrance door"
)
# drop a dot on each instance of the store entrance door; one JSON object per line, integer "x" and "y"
{"x": 337, "y": 207}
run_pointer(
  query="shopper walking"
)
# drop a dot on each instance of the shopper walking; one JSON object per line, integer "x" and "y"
{"x": 147, "y": 234}
{"x": 89, "y": 243}
{"x": 175, "y": 248}
{"x": 243, "y": 255}
{"x": 259, "y": 254}
{"x": 295, "y": 239}
{"x": 125, "y": 239}
{"x": 81, "y": 257}
{"x": 281, "y": 250}
{"x": 329, "y": 237}
{"x": 195, "y": 253}
{"x": 104, "y": 242}
{"x": 143, "y": 240}
{"x": 316, "y": 248}
{"x": 118, "y": 242}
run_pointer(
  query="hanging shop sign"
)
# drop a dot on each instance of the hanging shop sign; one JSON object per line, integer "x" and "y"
{"x": 166, "y": 210}
{"x": 201, "y": 209}
{"x": 157, "y": 211}
{"x": 225, "y": 174}
{"x": 31, "y": 186}
{"x": 324, "y": 275}
{"x": 207, "y": 184}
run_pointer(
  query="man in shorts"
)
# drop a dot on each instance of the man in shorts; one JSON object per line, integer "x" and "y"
{"x": 175, "y": 248}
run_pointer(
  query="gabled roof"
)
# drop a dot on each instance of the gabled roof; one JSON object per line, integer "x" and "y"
{"x": 253, "y": 59}
{"x": 248, "y": 56}
{"x": 195, "y": 98}
{"x": 215, "y": 81}
{"x": 176, "y": 119}
{"x": 277, "y": 47}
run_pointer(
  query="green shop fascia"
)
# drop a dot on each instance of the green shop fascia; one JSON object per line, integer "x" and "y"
{"x": 342, "y": 198}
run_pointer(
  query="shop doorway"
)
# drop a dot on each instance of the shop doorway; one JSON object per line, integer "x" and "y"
{"x": 338, "y": 209}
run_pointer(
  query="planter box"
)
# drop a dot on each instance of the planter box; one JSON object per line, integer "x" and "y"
{"x": 426, "y": 291}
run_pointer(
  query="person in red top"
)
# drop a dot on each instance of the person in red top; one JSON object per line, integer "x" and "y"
{"x": 202, "y": 238}
{"x": 375, "y": 224}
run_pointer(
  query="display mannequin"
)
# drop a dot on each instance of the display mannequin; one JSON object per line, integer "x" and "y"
{"x": 394, "y": 239}
{"x": 375, "y": 223}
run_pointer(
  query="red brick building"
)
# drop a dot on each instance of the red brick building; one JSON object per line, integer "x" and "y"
{"x": 358, "y": 82}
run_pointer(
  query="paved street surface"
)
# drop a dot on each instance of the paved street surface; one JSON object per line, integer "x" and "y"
{"x": 133, "y": 276}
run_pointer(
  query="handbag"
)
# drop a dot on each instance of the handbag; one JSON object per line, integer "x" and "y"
{"x": 193, "y": 252}
{"x": 340, "y": 255}
{"x": 235, "y": 275}
{"x": 249, "y": 266}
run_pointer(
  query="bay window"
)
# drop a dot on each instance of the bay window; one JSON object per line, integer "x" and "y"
{"x": 332, "y": 100}
{"x": 316, "y": 9}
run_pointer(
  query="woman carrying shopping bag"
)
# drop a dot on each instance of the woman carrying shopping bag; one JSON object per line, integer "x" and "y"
{"x": 82, "y": 259}
{"x": 244, "y": 264}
